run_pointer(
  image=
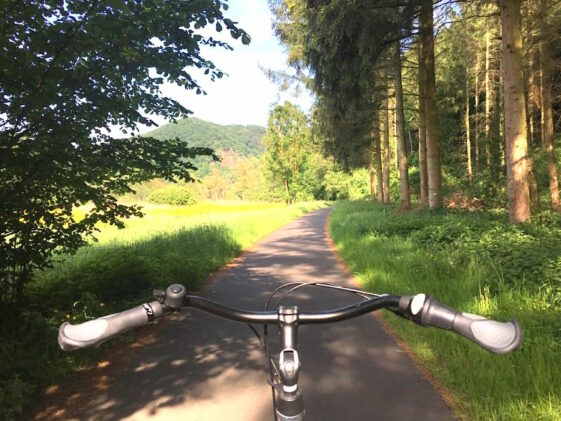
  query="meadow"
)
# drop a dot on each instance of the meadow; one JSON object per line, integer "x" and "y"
{"x": 475, "y": 262}
{"x": 169, "y": 244}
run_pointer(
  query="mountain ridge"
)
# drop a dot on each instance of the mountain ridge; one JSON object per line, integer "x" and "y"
{"x": 244, "y": 140}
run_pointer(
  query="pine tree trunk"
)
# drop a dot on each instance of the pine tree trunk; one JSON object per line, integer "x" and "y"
{"x": 542, "y": 114}
{"x": 502, "y": 141}
{"x": 547, "y": 129}
{"x": 468, "y": 136}
{"x": 431, "y": 114}
{"x": 424, "y": 199}
{"x": 385, "y": 118}
{"x": 394, "y": 137}
{"x": 476, "y": 115}
{"x": 378, "y": 157}
{"x": 515, "y": 113}
{"x": 488, "y": 100}
{"x": 372, "y": 175}
{"x": 532, "y": 97}
{"x": 400, "y": 119}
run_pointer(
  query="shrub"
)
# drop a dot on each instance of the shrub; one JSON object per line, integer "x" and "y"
{"x": 172, "y": 195}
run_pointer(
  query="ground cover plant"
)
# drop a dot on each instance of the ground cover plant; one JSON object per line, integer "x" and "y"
{"x": 170, "y": 244}
{"x": 476, "y": 262}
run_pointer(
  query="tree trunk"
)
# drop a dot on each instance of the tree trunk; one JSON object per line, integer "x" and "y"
{"x": 533, "y": 96}
{"x": 542, "y": 114}
{"x": 394, "y": 137}
{"x": 400, "y": 119}
{"x": 502, "y": 141}
{"x": 378, "y": 156}
{"x": 431, "y": 114}
{"x": 424, "y": 199}
{"x": 532, "y": 183}
{"x": 372, "y": 175}
{"x": 468, "y": 136}
{"x": 476, "y": 114}
{"x": 488, "y": 100}
{"x": 515, "y": 110}
{"x": 385, "y": 117}
{"x": 547, "y": 129}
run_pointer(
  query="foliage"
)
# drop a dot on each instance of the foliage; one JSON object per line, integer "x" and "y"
{"x": 296, "y": 168}
{"x": 249, "y": 181}
{"x": 287, "y": 142}
{"x": 172, "y": 195}
{"x": 478, "y": 263}
{"x": 26, "y": 351}
{"x": 340, "y": 186}
{"x": 69, "y": 70}
{"x": 340, "y": 43}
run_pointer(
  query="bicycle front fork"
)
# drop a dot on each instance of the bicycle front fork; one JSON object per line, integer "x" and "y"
{"x": 289, "y": 402}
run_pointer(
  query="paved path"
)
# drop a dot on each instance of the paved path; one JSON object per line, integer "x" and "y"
{"x": 205, "y": 368}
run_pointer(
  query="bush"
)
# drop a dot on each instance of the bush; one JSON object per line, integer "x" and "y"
{"x": 172, "y": 195}
{"x": 524, "y": 256}
{"x": 26, "y": 359}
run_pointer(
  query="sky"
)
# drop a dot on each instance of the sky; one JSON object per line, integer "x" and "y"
{"x": 244, "y": 95}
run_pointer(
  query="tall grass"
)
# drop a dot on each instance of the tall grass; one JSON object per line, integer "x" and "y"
{"x": 478, "y": 263}
{"x": 170, "y": 244}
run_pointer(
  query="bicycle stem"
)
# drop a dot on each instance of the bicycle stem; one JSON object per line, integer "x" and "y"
{"x": 289, "y": 405}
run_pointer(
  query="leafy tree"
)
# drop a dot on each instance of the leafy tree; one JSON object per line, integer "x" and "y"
{"x": 70, "y": 70}
{"x": 250, "y": 183}
{"x": 286, "y": 143}
{"x": 217, "y": 184}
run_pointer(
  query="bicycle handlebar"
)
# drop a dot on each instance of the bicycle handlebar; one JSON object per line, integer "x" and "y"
{"x": 95, "y": 332}
{"x": 492, "y": 335}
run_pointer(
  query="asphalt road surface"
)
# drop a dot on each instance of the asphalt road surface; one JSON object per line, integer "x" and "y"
{"x": 201, "y": 367}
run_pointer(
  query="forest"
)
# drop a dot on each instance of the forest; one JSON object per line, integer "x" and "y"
{"x": 244, "y": 140}
{"x": 455, "y": 108}
{"x": 466, "y": 94}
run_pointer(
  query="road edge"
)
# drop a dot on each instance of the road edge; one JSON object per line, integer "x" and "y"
{"x": 442, "y": 391}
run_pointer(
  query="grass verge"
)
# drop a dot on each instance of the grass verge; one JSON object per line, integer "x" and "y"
{"x": 478, "y": 263}
{"x": 170, "y": 244}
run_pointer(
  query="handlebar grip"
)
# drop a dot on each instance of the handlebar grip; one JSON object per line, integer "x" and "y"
{"x": 494, "y": 336}
{"x": 94, "y": 332}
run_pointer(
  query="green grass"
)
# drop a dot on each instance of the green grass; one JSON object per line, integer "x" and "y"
{"x": 475, "y": 262}
{"x": 170, "y": 244}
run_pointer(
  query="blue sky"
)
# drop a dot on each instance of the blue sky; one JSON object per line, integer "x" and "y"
{"x": 243, "y": 96}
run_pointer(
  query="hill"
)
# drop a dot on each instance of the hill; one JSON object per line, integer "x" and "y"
{"x": 243, "y": 140}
